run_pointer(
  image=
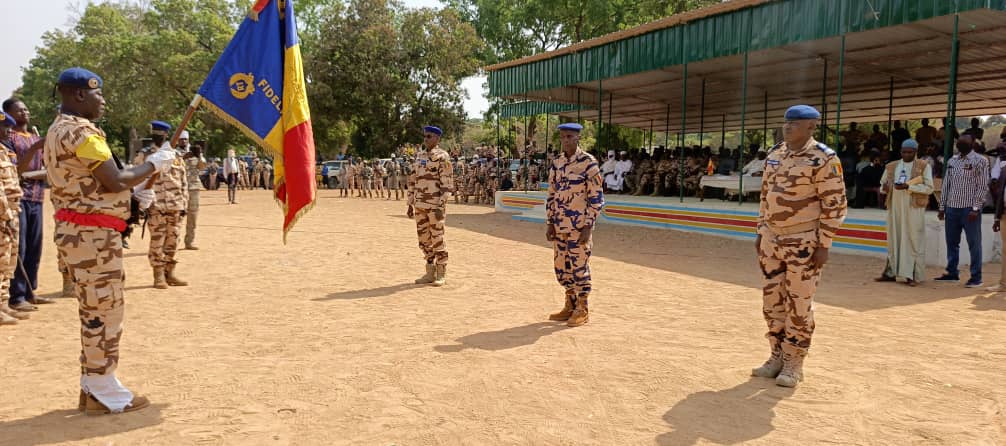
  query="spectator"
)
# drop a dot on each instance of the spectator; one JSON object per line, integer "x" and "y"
{"x": 900, "y": 134}
{"x": 27, "y": 153}
{"x": 907, "y": 184}
{"x": 852, "y": 137}
{"x": 942, "y": 133}
{"x": 868, "y": 183}
{"x": 622, "y": 168}
{"x": 726, "y": 163}
{"x": 878, "y": 138}
{"x": 507, "y": 183}
{"x": 999, "y": 181}
{"x": 965, "y": 186}
{"x": 756, "y": 167}
{"x": 925, "y": 135}
{"x": 975, "y": 131}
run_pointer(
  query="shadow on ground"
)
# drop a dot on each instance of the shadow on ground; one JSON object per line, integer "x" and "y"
{"x": 729, "y": 416}
{"x": 692, "y": 254}
{"x": 62, "y": 426}
{"x": 504, "y": 339}
{"x": 368, "y": 293}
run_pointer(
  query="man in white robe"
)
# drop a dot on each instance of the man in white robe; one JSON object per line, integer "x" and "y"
{"x": 908, "y": 183}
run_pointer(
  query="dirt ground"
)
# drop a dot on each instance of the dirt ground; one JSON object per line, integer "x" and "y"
{"x": 327, "y": 341}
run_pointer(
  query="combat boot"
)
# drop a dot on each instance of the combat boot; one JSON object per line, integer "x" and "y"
{"x": 441, "y": 276}
{"x": 771, "y": 367}
{"x": 580, "y": 314}
{"x": 171, "y": 279}
{"x": 430, "y": 275}
{"x": 68, "y": 289}
{"x": 94, "y": 407}
{"x": 792, "y": 368}
{"x": 159, "y": 281}
{"x": 567, "y": 310}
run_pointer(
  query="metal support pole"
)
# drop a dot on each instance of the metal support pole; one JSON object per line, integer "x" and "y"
{"x": 723, "y": 131}
{"x": 499, "y": 142}
{"x": 702, "y": 114}
{"x": 744, "y": 108}
{"x": 667, "y": 128}
{"x": 650, "y": 144}
{"x": 824, "y": 103}
{"x": 841, "y": 81}
{"x": 611, "y": 112}
{"x": 579, "y": 106}
{"x": 890, "y": 114}
{"x": 600, "y": 116}
{"x": 952, "y": 91}
{"x": 764, "y": 124}
{"x": 684, "y": 123}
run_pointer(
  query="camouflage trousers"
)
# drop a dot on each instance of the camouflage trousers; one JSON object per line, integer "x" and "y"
{"x": 572, "y": 262}
{"x": 8, "y": 257}
{"x": 790, "y": 283}
{"x": 94, "y": 259}
{"x": 430, "y": 227}
{"x": 165, "y": 228}
{"x": 191, "y": 216}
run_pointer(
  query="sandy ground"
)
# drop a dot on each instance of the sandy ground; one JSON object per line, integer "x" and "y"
{"x": 327, "y": 341}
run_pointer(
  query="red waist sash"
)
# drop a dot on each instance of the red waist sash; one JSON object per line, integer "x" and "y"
{"x": 94, "y": 220}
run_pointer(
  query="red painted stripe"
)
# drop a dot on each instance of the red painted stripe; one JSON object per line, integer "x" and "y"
{"x": 851, "y": 233}
{"x": 298, "y": 164}
{"x": 722, "y": 221}
{"x": 260, "y": 5}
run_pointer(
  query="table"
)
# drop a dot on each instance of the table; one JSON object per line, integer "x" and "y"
{"x": 729, "y": 183}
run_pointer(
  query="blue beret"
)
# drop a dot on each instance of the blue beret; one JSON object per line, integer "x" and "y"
{"x": 7, "y": 120}
{"x": 433, "y": 129}
{"x": 160, "y": 126}
{"x": 571, "y": 126}
{"x": 798, "y": 112}
{"x": 80, "y": 78}
{"x": 910, "y": 143}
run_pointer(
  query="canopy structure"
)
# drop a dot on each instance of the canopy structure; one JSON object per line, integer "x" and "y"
{"x": 742, "y": 63}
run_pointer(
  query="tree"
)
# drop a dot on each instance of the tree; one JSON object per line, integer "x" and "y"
{"x": 392, "y": 71}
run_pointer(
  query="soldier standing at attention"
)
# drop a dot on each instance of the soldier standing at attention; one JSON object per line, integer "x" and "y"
{"x": 91, "y": 196}
{"x": 368, "y": 179}
{"x": 393, "y": 170}
{"x": 194, "y": 163}
{"x": 405, "y": 171}
{"x": 575, "y": 199}
{"x": 166, "y": 213}
{"x": 430, "y": 187}
{"x": 802, "y": 206}
{"x": 351, "y": 176}
{"x": 379, "y": 178}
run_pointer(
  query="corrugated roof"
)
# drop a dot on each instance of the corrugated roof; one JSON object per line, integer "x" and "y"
{"x": 666, "y": 22}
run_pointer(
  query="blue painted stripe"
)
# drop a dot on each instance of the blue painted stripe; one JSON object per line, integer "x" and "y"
{"x": 683, "y": 208}
{"x": 749, "y": 235}
{"x": 515, "y": 208}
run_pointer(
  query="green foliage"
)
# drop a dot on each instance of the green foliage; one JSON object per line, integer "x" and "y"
{"x": 376, "y": 71}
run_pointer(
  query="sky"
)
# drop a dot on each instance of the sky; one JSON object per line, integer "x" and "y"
{"x": 27, "y": 20}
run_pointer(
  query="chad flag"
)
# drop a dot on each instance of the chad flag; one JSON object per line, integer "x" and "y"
{"x": 258, "y": 86}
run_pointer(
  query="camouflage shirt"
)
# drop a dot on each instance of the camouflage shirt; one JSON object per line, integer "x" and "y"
{"x": 11, "y": 187}
{"x": 170, "y": 187}
{"x": 73, "y": 147}
{"x": 575, "y": 196}
{"x": 803, "y": 188}
{"x": 431, "y": 181}
{"x": 193, "y": 166}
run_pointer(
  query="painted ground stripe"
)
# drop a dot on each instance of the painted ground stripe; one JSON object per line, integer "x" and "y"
{"x": 676, "y": 216}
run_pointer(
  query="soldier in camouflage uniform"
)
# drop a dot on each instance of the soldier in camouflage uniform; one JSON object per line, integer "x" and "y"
{"x": 459, "y": 178}
{"x": 256, "y": 179}
{"x": 166, "y": 214}
{"x": 491, "y": 184}
{"x": 646, "y": 172}
{"x": 91, "y": 196}
{"x": 10, "y": 211}
{"x": 575, "y": 199}
{"x": 379, "y": 178}
{"x": 242, "y": 174}
{"x": 394, "y": 170}
{"x": 403, "y": 175}
{"x": 194, "y": 163}
{"x": 430, "y": 187}
{"x": 665, "y": 168}
{"x": 802, "y": 206}
{"x": 367, "y": 173}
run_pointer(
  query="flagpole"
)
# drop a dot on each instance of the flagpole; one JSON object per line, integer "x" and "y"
{"x": 178, "y": 133}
